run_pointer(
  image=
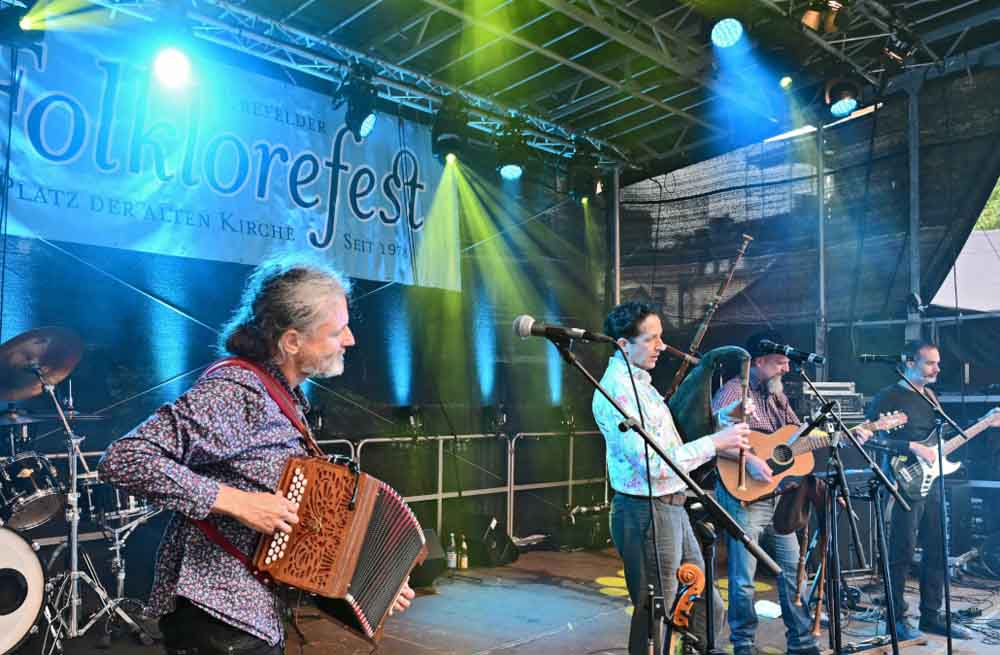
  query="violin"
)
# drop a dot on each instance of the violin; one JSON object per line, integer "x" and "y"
{"x": 692, "y": 584}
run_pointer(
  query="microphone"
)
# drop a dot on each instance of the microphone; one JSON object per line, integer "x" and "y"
{"x": 525, "y": 326}
{"x": 883, "y": 359}
{"x": 791, "y": 353}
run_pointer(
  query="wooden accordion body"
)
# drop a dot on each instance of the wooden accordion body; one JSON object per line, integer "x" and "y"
{"x": 355, "y": 560}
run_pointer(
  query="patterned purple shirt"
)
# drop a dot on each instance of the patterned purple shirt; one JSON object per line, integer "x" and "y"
{"x": 226, "y": 429}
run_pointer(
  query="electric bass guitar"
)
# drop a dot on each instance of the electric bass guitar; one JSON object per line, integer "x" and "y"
{"x": 788, "y": 453}
{"x": 915, "y": 476}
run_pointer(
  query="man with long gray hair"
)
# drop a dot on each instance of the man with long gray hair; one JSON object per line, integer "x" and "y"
{"x": 217, "y": 452}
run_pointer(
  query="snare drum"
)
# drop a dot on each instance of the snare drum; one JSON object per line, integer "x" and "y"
{"x": 30, "y": 491}
{"x": 22, "y": 580}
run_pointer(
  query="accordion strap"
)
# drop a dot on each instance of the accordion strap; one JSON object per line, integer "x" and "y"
{"x": 289, "y": 408}
{"x": 215, "y": 536}
{"x": 285, "y": 401}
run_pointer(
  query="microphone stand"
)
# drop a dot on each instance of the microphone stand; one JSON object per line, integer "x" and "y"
{"x": 727, "y": 522}
{"x": 839, "y": 484}
{"x": 938, "y": 432}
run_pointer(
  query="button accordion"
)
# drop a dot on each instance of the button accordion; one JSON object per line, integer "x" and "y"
{"x": 354, "y": 545}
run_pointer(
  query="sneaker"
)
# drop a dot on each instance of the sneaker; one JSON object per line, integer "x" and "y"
{"x": 937, "y": 625}
{"x": 906, "y": 632}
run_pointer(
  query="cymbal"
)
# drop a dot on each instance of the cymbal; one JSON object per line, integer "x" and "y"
{"x": 11, "y": 416}
{"x": 55, "y": 351}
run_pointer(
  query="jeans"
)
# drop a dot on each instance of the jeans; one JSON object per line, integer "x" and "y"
{"x": 189, "y": 630}
{"x": 676, "y": 544}
{"x": 904, "y": 527}
{"x": 757, "y": 520}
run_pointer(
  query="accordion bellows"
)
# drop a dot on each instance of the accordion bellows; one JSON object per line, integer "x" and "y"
{"x": 356, "y": 560}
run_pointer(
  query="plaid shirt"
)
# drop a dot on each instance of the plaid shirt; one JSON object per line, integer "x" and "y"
{"x": 771, "y": 413}
{"x": 626, "y": 451}
{"x": 227, "y": 430}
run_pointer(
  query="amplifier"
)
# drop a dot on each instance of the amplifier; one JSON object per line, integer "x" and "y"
{"x": 850, "y": 403}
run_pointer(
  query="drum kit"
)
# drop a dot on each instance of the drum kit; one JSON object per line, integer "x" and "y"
{"x": 33, "y": 491}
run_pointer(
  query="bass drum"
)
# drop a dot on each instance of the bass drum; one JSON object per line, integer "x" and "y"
{"x": 22, "y": 590}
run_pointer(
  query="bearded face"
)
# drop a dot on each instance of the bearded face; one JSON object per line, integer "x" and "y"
{"x": 775, "y": 386}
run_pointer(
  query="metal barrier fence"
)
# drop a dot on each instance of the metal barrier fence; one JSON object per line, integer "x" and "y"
{"x": 508, "y": 488}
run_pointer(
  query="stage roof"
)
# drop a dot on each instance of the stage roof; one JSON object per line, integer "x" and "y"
{"x": 635, "y": 80}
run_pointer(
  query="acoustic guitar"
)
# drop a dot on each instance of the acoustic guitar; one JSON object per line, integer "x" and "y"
{"x": 788, "y": 453}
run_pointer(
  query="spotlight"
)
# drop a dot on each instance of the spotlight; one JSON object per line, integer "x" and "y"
{"x": 582, "y": 177}
{"x": 168, "y": 42}
{"x": 833, "y": 13}
{"x": 785, "y": 82}
{"x": 450, "y": 158}
{"x": 897, "y": 50}
{"x": 727, "y": 32}
{"x": 172, "y": 68}
{"x": 512, "y": 153}
{"x": 18, "y": 26}
{"x": 450, "y": 133}
{"x": 813, "y": 15}
{"x": 825, "y": 14}
{"x": 358, "y": 92}
{"x": 842, "y": 96}
{"x": 511, "y": 172}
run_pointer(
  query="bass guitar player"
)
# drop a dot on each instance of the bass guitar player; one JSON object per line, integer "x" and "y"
{"x": 922, "y": 366}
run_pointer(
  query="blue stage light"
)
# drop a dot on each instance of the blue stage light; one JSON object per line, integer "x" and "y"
{"x": 511, "y": 172}
{"x": 727, "y": 32}
{"x": 844, "y": 107}
{"x": 367, "y": 125}
{"x": 172, "y": 68}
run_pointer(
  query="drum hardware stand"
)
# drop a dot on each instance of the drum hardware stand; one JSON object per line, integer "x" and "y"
{"x": 67, "y": 584}
{"x": 118, "y": 536}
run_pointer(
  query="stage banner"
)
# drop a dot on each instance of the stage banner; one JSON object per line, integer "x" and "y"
{"x": 234, "y": 167}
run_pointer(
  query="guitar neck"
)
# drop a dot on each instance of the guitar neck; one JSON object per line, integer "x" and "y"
{"x": 813, "y": 441}
{"x": 958, "y": 440}
{"x": 818, "y": 439}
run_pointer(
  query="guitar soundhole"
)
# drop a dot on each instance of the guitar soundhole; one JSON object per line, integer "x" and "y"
{"x": 782, "y": 455}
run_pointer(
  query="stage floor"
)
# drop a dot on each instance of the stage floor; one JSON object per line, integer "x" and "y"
{"x": 556, "y": 603}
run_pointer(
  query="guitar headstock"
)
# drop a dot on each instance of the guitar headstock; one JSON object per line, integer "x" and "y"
{"x": 888, "y": 422}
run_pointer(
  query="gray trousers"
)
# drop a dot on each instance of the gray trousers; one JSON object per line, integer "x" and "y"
{"x": 676, "y": 544}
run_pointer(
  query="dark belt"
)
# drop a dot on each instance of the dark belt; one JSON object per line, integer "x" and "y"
{"x": 670, "y": 499}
